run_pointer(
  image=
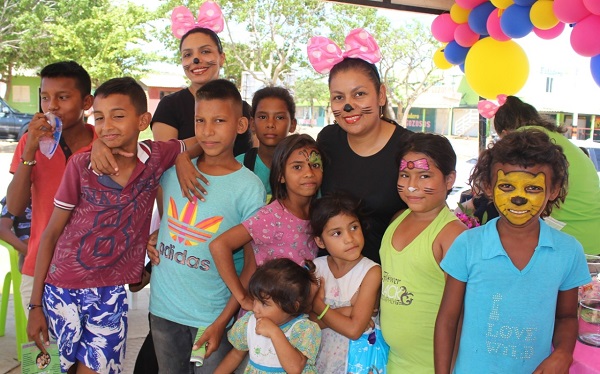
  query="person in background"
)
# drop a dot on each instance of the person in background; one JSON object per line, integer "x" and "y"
{"x": 202, "y": 58}
{"x": 514, "y": 280}
{"x": 15, "y": 230}
{"x": 273, "y": 118}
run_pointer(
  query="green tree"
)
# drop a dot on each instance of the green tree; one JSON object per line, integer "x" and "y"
{"x": 107, "y": 38}
{"x": 406, "y": 67}
{"x": 312, "y": 90}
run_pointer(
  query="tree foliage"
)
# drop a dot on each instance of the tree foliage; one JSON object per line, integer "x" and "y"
{"x": 311, "y": 90}
{"x": 406, "y": 67}
{"x": 106, "y": 37}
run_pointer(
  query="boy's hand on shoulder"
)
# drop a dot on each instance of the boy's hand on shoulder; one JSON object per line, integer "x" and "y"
{"x": 103, "y": 160}
{"x": 188, "y": 177}
{"x": 36, "y": 326}
{"x": 151, "y": 250}
{"x": 558, "y": 362}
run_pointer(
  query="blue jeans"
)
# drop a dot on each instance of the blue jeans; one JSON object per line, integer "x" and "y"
{"x": 173, "y": 346}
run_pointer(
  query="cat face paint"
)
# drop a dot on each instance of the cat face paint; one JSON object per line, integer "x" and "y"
{"x": 421, "y": 185}
{"x": 520, "y": 196}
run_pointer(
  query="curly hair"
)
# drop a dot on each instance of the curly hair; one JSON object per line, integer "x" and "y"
{"x": 524, "y": 148}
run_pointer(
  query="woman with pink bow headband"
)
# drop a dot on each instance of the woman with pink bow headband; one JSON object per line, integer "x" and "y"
{"x": 361, "y": 145}
{"x": 202, "y": 58}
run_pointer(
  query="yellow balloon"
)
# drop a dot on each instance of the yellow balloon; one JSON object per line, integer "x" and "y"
{"x": 493, "y": 68}
{"x": 542, "y": 15}
{"x": 440, "y": 60}
{"x": 502, "y": 4}
{"x": 458, "y": 14}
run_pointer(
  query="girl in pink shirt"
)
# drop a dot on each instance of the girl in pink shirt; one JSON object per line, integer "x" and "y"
{"x": 281, "y": 228}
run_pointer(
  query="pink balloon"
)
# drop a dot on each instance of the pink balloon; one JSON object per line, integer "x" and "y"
{"x": 593, "y": 6}
{"x": 469, "y": 4}
{"x": 464, "y": 36}
{"x": 550, "y": 33}
{"x": 443, "y": 28}
{"x": 570, "y": 11}
{"x": 584, "y": 37}
{"x": 494, "y": 29}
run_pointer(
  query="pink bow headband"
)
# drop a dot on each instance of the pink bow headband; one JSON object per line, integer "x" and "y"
{"x": 488, "y": 109}
{"x": 324, "y": 54}
{"x": 209, "y": 17}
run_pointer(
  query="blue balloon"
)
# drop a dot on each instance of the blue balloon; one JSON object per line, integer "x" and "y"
{"x": 595, "y": 67}
{"x": 524, "y": 2}
{"x": 515, "y": 21}
{"x": 478, "y": 17}
{"x": 455, "y": 54}
{"x": 462, "y": 67}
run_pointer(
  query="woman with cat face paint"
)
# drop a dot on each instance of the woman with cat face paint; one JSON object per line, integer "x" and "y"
{"x": 202, "y": 58}
{"x": 361, "y": 145}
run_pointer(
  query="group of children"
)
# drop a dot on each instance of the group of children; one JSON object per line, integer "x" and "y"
{"x": 298, "y": 311}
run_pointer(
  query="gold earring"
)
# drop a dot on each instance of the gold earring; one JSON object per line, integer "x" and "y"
{"x": 381, "y": 112}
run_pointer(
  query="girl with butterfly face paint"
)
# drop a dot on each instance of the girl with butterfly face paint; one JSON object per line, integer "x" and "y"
{"x": 516, "y": 273}
{"x": 411, "y": 249}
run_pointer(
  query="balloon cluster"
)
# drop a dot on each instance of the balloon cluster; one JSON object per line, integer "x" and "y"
{"x": 478, "y": 36}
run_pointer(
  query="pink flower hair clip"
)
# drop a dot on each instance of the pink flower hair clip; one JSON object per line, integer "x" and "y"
{"x": 210, "y": 17}
{"x": 488, "y": 109}
{"x": 324, "y": 54}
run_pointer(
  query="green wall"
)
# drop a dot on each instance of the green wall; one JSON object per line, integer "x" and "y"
{"x": 33, "y": 104}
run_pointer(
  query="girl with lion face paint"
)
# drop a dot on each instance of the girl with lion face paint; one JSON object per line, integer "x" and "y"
{"x": 515, "y": 278}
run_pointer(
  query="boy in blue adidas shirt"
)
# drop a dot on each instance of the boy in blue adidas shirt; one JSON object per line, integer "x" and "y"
{"x": 186, "y": 289}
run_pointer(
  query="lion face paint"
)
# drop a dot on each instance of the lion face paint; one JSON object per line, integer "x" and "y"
{"x": 520, "y": 196}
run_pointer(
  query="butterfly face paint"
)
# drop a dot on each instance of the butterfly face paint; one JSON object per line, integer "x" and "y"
{"x": 519, "y": 195}
{"x": 313, "y": 158}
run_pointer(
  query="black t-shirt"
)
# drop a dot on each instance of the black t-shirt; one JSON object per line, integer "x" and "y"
{"x": 177, "y": 110}
{"x": 372, "y": 179}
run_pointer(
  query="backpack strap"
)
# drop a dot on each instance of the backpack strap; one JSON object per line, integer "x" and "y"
{"x": 250, "y": 158}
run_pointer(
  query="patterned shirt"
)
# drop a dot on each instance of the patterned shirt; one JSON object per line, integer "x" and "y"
{"x": 277, "y": 233}
{"x": 104, "y": 241}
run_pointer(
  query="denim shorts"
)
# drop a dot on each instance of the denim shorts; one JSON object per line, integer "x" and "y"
{"x": 89, "y": 325}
